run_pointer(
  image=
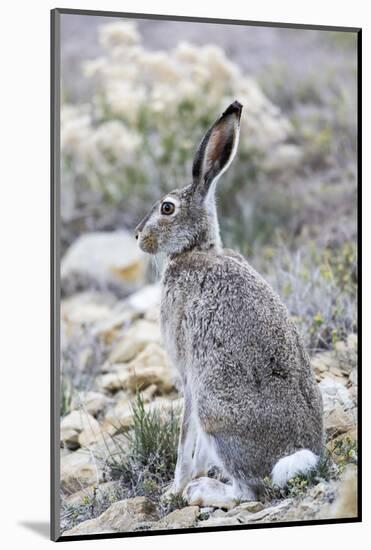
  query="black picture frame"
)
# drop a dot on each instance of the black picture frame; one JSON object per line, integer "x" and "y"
{"x": 55, "y": 268}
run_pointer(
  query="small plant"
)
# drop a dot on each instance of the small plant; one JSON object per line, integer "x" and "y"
{"x": 66, "y": 396}
{"x": 297, "y": 486}
{"x": 91, "y": 505}
{"x": 171, "y": 503}
{"x": 344, "y": 452}
{"x": 319, "y": 287}
{"x": 149, "y": 463}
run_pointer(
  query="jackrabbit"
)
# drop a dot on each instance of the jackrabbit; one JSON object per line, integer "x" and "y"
{"x": 251, "y": 403}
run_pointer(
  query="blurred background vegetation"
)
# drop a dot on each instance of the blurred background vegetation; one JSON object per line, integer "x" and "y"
{"x": 136, "y": 100}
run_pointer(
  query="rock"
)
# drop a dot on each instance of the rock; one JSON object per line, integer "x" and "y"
{"x": 79, "y": 470}
{"x": 103, "y": 260}
{"x": 109, "y": 329}
{"x": 148, "y": 393}
{"x": 121, "y": 417}
{"x": 88, "y": 436}
{"x": 91, "y": 402}
{"x": 123, "y": 516}
{"x": 352, "y": 341}
{"x": 125, "y": 312}
{"x": 102, "y": 490}
{"x": 179, "y": 519}
{"x": 86, "y": 308}
{"x": 340, "y": 346}
{"x": 153, "y": 314}
{"x": 218, "y": 513}
{"x": 145, "y": 299}
{"x": 353, "y": 377}
{"x": 318, "y": 490}
{"x": 135, "y": 340}
{"x": 319, "y": 363}
{"x": 324, "y": 361}
{"x": 73, "y": 424}
{"x": 218, "y": 521}
{"x": 152, "y": 355}
{"x": 148, "y": 368}
{"x": 345, "y": 504}
{"x": 252, "y": 507}
{"x": 109, "y": 448}
{"x": 334, "y": 393}
{"x": 272, "y": 513}
{"x": 336, "y": 363}
{"x": 337, "y": 422}
{"x": 70, "y": 438}
{"x": 115, "y": 379}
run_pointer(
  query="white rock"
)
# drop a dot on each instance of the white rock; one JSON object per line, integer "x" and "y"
{"x": 338, "y": 421}
{"x": 352, "y": 341}
{"x": 135, "y": 340}
{"x": 322, "y": 362}
{"x": 150, "y": 367}
{"x": 334, "y": 393}
{"x": 91, "y": 402}
{"x": 103, "y": 260}
{"x": 76, "y": 422}
{"x": 115, "y": 379}
{"x": 179, "y": 519}
{"x": 153, "y": 314}
{"x": 110, "y": 327}
{"x": 252, "y": 507}
{"x": 121, "y": 516}
{"x": 108, "y": 447}
{"x": 86, "y": 308}
{"x": 266, "y": 514}
{"x": 218, "y": 521}
{"x": 145, "y": 298}
{"x": 353, "y": 377}
{"x": 79, "y": 470}
{"x": 104, "y": 489}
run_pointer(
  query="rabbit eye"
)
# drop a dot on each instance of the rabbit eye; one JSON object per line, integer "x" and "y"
{"x": 167, "y": 208}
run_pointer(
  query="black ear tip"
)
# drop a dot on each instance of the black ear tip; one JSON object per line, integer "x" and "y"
{"x": 235, "y": 108}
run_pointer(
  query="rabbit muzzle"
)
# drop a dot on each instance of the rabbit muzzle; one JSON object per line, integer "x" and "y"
{"x": 147, "y": 241}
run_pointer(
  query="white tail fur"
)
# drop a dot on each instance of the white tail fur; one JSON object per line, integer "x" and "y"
{"x": 289, "y": 466}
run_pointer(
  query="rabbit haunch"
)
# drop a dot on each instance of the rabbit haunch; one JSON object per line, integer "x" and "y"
{"x": 251, "y": 403}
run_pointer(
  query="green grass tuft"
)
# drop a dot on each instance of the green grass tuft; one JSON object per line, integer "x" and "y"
{"x": 149, "y": 463}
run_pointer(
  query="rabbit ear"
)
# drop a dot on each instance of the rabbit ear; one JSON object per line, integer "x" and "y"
{"x": 217, "y": 149}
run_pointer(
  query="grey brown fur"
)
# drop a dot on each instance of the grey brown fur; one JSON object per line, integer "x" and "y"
{"x": 249, "y": 390}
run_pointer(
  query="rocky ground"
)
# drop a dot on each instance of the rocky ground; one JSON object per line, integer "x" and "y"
{"x": 110, "y": 349}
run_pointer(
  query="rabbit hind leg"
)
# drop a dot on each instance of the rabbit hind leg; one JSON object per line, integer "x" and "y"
{"x": 205, "y": 455}
{"x": 205, "y": 491}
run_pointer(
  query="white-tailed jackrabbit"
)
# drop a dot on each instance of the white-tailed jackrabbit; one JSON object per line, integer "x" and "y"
{"x": 251, "y": 404}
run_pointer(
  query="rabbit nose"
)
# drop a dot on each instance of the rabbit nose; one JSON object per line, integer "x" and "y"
{"x": 136, "y": 234}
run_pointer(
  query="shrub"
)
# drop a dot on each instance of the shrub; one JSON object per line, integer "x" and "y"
{"x": 319, "y": 287}
{"x": 145, "y": 116}
{"x": 150, "y": 461}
